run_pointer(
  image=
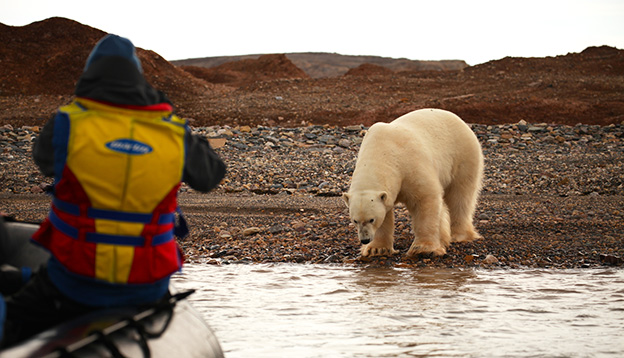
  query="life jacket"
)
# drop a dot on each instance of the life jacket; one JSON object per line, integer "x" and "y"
{"x": 117, "y": 173}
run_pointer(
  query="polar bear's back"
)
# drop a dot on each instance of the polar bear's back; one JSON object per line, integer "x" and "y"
{"x": 426, "y": 140}
{"x": 431, "y": 128}
{"x": 434, "y": 122}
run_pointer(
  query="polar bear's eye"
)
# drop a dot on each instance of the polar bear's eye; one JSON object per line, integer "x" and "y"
{"x": 371, "y": 221}
{"x": 355, "y": 221}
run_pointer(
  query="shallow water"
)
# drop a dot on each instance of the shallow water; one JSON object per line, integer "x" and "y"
{"x": 288, "y": 310}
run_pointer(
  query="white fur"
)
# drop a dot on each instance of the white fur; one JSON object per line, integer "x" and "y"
{"x": 431, "y": 161}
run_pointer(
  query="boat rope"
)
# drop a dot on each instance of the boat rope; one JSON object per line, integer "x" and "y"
{"x": 135, "y": 322}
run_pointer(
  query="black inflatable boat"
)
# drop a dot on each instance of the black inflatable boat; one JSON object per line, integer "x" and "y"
{"x": 172, "y": 329}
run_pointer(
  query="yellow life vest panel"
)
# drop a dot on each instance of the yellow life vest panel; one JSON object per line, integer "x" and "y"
{"x": 117, "y": 171}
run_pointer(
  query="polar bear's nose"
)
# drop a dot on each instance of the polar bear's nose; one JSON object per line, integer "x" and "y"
{"x": 364, "y": 241}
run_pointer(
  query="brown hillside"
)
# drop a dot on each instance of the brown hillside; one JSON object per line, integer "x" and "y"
{"x": 42, "y": 61}
{"x": 238, "y": 73}
{"x": 603, "y": 60}
{"x": 45, "y": 59}
{"x": 323, "y": 65}
{"x": 368, "y": 69}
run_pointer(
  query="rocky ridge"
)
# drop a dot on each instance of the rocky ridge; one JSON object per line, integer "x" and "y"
{"x": 586, "y": 87}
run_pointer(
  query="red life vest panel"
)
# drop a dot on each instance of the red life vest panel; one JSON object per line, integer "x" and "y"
{"x": 118, "y": 172}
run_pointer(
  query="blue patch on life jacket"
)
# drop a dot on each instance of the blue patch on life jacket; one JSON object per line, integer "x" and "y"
{"x": 129, "y": 146}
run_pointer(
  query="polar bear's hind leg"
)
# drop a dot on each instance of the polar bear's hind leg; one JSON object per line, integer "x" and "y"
{"x": 462, "y": 203}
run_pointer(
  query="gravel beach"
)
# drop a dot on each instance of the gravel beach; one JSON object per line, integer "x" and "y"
{"x": 553, "y": 197}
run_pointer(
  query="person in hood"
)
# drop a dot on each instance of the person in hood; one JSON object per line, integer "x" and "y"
{"x": 118, "y": 155}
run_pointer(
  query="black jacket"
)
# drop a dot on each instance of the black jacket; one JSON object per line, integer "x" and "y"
{"x": 117, "y": 81}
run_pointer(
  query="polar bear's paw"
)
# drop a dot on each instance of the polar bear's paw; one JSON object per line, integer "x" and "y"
{"x": 369, "y": 251}
{"x": 420, "y": 248}
{"x": 466, "y": 236}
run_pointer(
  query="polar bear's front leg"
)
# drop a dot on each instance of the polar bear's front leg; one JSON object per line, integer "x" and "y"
{"x": 383, "y": 241}
{"x": 431, "y": 225}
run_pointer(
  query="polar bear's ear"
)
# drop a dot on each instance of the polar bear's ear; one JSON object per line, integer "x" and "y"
{"x": 383, "y": 196}
{"x": 346, "y": 197}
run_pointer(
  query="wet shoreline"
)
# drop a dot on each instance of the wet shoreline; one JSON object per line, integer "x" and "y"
{"x": 519, "y": 231}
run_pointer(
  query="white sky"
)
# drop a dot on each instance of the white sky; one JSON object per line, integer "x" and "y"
{"x": 476, "y": 31}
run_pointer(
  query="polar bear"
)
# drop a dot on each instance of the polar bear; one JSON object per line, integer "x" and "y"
{"x": 429, "y": 160}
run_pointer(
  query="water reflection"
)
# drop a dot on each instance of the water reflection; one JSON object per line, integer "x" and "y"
{"x": 333, "y": 311}
{"x": 449, "y": 279}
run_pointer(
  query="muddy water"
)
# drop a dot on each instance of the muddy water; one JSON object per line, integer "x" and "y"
{"x": 333, "y": 311}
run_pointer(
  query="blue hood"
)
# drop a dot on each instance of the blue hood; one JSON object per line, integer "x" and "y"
{"x": 113, "y": 45}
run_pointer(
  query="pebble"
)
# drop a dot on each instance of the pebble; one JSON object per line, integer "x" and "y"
{"x": 490, "y": 259}
{"x": 470, "y": 258}
{"x": 251, "y": 231}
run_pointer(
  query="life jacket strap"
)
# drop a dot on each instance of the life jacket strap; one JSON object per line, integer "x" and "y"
{"x": 128, "y": 239}
{"x": 125, "y": 216}
{"x": 95, "y": 237}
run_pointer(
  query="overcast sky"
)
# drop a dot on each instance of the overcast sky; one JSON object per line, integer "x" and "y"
{"x": 476, "y": 31}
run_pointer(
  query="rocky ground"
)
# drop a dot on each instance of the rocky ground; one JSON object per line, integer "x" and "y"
{"x": 553, "y": 197}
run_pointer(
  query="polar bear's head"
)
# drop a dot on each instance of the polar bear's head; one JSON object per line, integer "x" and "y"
{"x": 367, "y": 210}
